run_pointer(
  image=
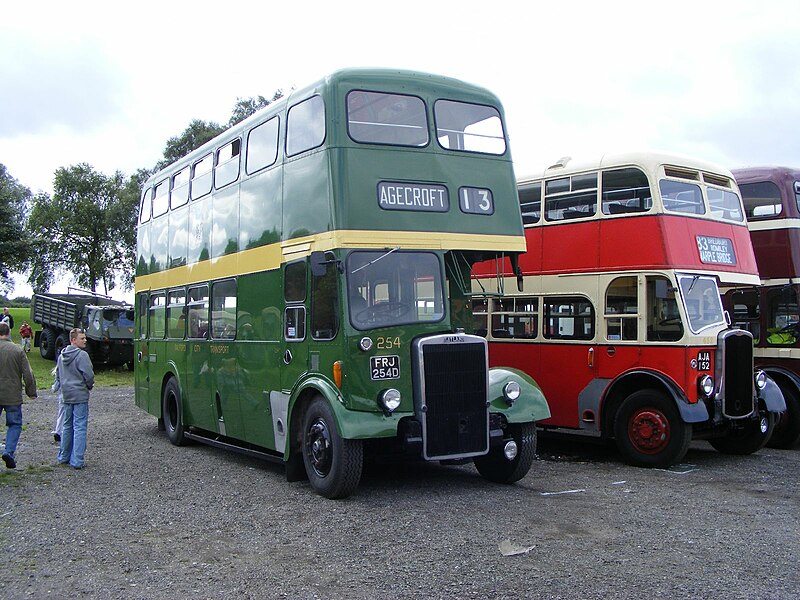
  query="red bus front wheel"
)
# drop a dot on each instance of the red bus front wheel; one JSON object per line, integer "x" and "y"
{"x": 649, "y": 430}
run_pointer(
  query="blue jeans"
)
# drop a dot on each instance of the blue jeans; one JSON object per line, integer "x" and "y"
{"x": 73, "y": 436}
{"x": 14, "y": 424}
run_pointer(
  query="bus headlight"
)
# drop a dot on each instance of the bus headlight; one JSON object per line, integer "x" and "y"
{"x": 389, "y": 400}
{"x": 706, "y": 385}
{"x": 365, "y": 343}
{"x": 511, "y": 392}
{"x": 761, "y": 379}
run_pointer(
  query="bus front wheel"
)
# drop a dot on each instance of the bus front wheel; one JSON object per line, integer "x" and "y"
{"x": 496, "y": 467}
{"x": 649, "y": 430}
{"x": 333, "y": 464}
{"x": 171, "y": 409}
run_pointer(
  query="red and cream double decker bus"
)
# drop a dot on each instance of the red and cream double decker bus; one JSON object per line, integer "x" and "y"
{"x": 771, "y": 198}
{"x": 621, "y": 322}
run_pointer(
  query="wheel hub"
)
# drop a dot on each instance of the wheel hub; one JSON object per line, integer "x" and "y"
{"x": 649, "y": 431}
{"x": 318, "y": 448}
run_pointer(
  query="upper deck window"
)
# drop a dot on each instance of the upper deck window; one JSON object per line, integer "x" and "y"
{"x": 305, "y": 128}
{"x": 469, "y": 127}
{"x": 180, "y": 188}
{"x": 227, "y": 169}
{"x": 571, "y": 197}
{"x": 724, "y": 204}
{"x": 146, "y": 206}
{"x": 626, "y": 191}
{"x": 394, "y": 119}
{"x": 681, "y": 197}
{"x": 161, "y": 198}
{"x": 797, "y": 193}
{"x": 530, "y": 202}
{"x": 201, "y": 176}
{"x": 762, "y": 200}
{"x": 262, "y": 146}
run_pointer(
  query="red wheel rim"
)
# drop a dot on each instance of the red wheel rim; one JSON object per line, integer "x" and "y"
{"x": 648, "y": 431}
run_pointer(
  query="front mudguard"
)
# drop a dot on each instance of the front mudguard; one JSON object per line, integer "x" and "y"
{"x": 531, "y": 404}
{"x": 771, "y": 398}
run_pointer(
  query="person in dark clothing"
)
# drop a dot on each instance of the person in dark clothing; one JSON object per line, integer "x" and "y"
{"x": 14, "y": 368}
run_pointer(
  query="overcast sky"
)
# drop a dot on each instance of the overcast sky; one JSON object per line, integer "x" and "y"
{"x": 108, "y": 83}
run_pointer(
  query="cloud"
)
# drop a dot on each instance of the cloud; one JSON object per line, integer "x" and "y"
{"x": 73, "y": 86}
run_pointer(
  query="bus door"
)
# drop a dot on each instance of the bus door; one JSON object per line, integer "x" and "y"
{"x": 141, "y": 354}
{"x": 258, "y": 345}
{"x": 154, "y": 353}
{"x": 223, "y": 360}
{"x": 619, "y": 329}
{"x": 198, "y": 406}
{"x": 568, "y": 357}
{"x": 294, "y": 347}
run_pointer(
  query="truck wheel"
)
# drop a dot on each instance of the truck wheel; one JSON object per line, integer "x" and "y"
{"x": 333, "y": 464}
{"x": 62, "y": 341}
{"x": 47, "y": 344}
{"x": 172, "y": 411}
{"x": 751, "y": 437}
{"x": 787, "y": 429}
{"x": 496, "y": 467}
{"x": 649, "y": 430}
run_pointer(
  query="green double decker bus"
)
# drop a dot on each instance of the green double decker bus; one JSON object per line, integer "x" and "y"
{"x": 303, "y": 283}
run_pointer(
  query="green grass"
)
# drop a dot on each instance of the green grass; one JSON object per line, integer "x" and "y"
{"x": 41, "y": 367}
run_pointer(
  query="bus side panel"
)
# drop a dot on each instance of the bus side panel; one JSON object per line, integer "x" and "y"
{"x": 260, "y": 210}
{"x": 561, "y": 370}
{"x": 571, "y": 250}
{"x": 307, "y": 194}
{"x": 777, "y": 252}
{"x": 223, "y": 359}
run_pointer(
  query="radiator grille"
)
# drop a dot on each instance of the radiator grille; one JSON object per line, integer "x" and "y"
{"x": 739, "y": 393}
{"x": 454, "y": 392}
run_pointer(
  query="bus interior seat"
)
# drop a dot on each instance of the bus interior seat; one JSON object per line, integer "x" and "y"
{"x": 622, "y": 209}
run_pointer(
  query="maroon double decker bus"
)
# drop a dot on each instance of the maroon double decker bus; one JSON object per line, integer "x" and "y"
{"x": 771, "y": 312}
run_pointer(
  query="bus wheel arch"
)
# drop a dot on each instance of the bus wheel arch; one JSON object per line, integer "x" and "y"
{"x": 333, "y": 464}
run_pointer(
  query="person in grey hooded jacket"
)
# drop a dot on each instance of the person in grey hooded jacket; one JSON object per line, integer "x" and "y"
{"x": 75, "y": 379}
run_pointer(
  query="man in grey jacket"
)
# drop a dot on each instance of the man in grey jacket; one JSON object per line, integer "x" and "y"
{"x": 14, "y": 368}
{"x": 75, "y": 378}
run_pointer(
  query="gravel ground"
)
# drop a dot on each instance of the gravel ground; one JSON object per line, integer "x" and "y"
{"x": 149, "y": 520}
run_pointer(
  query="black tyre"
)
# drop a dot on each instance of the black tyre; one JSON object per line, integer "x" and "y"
{"x": 649, "y": 430}
{"x": 333, "y": 464}
{"x": 749, "y": 437}
{"x": 172, "y": 413}
{"x": 496, "y": 467}
{"x": 62, "y": 341}
{"x": 787, "y": 428}
{"x": 47, "y": 344}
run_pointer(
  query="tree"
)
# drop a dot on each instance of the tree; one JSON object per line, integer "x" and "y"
{"x": 245, "y": 107}
{"x": 83, "y": 229}
{"x": 195, "y": 135}
{"x": 15, "y": 248}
